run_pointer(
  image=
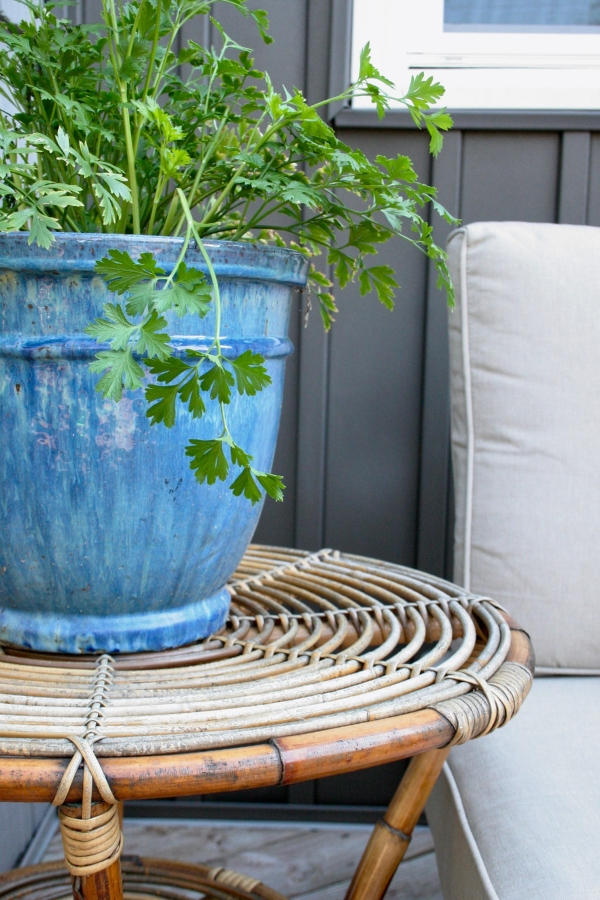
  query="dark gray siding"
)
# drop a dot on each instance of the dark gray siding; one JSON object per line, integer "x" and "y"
{"x": 374, "y": 397}
{"x": 509, "y": 176}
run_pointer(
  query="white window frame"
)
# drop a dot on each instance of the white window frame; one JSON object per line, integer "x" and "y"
{"x": 501, "y": 69}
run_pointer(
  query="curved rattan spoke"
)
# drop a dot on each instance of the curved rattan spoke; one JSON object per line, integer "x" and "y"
{"x": 313, "y": 641}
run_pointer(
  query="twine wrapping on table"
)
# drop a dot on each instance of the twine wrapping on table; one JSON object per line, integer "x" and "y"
{"x": 94, "y": 841}
{"x": 491, "y": 705}
{"x": 233, "y": 879}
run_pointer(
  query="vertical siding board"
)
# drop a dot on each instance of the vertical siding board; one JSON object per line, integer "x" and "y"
{"x": 312, "y": 421}
{"x": 374, "y": 396}
{"x": 89, "y": 12}
{"x": 434, "y": 475}
{"x": 593, "y": 205}
{"x": 510, "y": 176}
{"x": 313, "y": 343}
{"x": 574, "y": 177}
{"x": 318, "y": 62}
{"x": 277, "y": 521}
{"x": 339, "y": 52}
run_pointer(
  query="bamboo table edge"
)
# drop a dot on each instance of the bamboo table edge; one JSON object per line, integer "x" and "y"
{"x": 282, "y": 761}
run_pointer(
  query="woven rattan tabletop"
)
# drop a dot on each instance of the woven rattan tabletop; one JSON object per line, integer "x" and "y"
{"x": 328, "y": 663}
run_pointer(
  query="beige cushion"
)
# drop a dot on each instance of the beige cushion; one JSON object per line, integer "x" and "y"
{"x": 525, "y": 383}
{"x": 515, "y": 815}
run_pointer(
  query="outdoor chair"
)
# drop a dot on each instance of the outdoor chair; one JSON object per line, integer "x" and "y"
{"x": 516, "y": 816}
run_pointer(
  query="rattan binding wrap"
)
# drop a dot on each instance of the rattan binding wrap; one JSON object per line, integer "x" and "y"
{"x": 313, "y": 641}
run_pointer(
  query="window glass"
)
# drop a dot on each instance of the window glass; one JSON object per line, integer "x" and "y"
{"x": 580, "y": 13}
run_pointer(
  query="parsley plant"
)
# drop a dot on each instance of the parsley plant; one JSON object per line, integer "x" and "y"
{"x": 102, "y": 131}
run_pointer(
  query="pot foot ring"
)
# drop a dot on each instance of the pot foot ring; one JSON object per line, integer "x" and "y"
{"x": 127, "y": 633}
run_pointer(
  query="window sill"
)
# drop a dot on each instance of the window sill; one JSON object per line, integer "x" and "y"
{"x": 480, "y": 120}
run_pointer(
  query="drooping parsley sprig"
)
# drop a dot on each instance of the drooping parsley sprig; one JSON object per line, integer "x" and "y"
{"x": 136, "y": 327}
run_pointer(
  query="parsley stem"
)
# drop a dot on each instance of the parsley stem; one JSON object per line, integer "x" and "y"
{"x": 213, "y": 275}
{"x": 111, "y": 16}
{"x": 180, "y": 258}
{"x": 226, "y": 435}
{"x": 132, "y": 177}
{"x": 192, "y": 193}
{"x": 155, "y": 40}
{"x": 159, "y": 188}
{"x": 166, "y": 229}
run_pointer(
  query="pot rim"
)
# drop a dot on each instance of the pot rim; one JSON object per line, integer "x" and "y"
{"x": 75, "y": 252}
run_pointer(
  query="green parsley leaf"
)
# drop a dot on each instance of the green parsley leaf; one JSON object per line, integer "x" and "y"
{"x": 319, "y": 278}
{"x": 239, "y": 457}
{"x": 246, "y": 485}
{"x": 399, "y": 168}
{"x": 151, "y": 339}
{"x": 109, "y": 193}
{"x": 164, "y": 400}
{"x": 140, "y": 297}
{"x": 382, "y": 279}
{"x": 261, "y": 18}
{"x": 208, "y": 460}
{"x": 190, "y": 294}
{"x": 250, "y": 372}
{"x": 115, "y": 328}
{"x": 367, "y": 70}
{"x": 219, "y": 382}
{"x": 273, "y": 484}
{"x": 172, "y": 159}
{"x": 168, "y": 369}
{"x": 189, "y": 392}
{"x": 365, "y": 234}
{"x": 121, "y": 272}
{"x": 120, "y": 369}
{"x": 423, "y": 92}
{"x": 343, "y": 266}
{"x": 40, "y": 228}
{"x": 326, "y": 308}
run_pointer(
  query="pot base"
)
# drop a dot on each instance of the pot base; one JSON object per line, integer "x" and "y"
{"x": 131, "y": 633}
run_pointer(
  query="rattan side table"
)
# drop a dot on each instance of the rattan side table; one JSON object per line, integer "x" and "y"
{"x": 328, "y": 663}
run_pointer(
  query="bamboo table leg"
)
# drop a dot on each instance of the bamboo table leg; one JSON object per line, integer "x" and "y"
{"x": 105, "y": 885}
{"x": 391, "y": 836}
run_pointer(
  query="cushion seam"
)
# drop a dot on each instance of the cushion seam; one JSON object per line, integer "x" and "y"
{"x": 469, "y": 836}
{"x": 567, "y": 672}
{"x": 466, "y": 360}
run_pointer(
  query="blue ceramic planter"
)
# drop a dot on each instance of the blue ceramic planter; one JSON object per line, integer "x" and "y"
{"x": 107, "y": 542}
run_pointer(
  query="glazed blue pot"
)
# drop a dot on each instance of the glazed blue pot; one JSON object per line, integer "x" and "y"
{"x": 107, "y": 542}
